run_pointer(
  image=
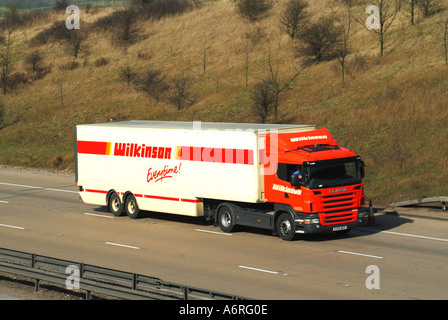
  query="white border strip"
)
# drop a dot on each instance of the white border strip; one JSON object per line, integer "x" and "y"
{"x": 360, "y": 254}
{"x": 34, "y": 187}
{"x": 14, "y": 227}
{"x": 403, "y": 234}
{"x": 214, "y": 232}
{"x": 2, "y": 201}
{"x": 414, "y": 236}
{"x": 122, "y": 245}
{"x": 261, "y": 270}
{"x": 98, "y": 215}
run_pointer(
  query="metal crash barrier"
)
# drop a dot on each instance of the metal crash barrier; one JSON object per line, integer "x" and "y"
{"x": 94, "y": 279}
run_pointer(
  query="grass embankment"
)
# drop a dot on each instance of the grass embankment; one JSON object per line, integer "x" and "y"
{"x": 392, "y": 110}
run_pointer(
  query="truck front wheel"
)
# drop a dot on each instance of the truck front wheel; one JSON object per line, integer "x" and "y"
{"x": 225, "y": 219}
{"x": 131, "y": 207}
{"x": 285, "y": 227}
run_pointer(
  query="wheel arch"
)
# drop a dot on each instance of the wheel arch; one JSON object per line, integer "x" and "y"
{"x": 282, "y": 208}
{"x": 111, "y": 191}
{"x": 127, "y": 194}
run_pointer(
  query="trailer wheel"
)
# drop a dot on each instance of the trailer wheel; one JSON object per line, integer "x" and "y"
{"x": 131, "y": 207}
{"x": 115, "y": 205}
{"x": 225, "y": 219}
{"x": 285, "y": 227}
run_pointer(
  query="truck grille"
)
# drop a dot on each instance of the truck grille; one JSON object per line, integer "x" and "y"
{"x": 337, "y": 209}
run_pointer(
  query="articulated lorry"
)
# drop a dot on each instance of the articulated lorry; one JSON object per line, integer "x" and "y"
{"x": 291, "y": 179}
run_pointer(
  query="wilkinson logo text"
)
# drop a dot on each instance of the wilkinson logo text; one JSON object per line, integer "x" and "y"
{"x": 281, "y": 188}
{"x": 141, "y": 151}
{"x": 166, "y": 172}
{"x": 308, "y": 138}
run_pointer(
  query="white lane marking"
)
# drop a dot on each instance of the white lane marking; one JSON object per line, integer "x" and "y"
{"x": 1, "y": 201}
{"x": 9, "y": 226}
{"x": 34, "y": 187}
{"x": 122, "y": 245}
{"x": 404, "y": 234}
{"x": 361, "y": 254}
{"x": 221, "y": 233}
{"x": 261, "y": 270}
{"x": 98, "y": 215}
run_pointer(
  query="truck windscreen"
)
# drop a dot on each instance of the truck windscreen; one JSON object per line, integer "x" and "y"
{"x": 333, "y": 173}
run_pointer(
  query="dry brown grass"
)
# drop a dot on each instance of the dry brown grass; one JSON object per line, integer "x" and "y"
{"x": 392, "y": 110}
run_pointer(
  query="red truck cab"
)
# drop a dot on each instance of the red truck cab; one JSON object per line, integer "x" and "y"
{"x": 316, "y": 182}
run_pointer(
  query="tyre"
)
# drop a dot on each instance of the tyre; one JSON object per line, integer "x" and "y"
{"x": 131, "y": 207}
{"x": 226, "y": 219}
{"x": 286, "y": 228}
{"x": 115, "y": 206}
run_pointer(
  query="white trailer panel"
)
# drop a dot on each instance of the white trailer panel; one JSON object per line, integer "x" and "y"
{"x": 171, "y": 166}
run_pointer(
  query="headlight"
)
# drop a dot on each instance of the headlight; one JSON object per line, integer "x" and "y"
{"x": 307, "y": 221}
{"x": 362, "y": 214}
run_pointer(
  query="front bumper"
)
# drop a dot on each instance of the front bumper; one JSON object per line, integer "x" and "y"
{"x": 309, "y": 224}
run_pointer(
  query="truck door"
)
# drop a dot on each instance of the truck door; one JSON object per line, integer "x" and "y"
{"x": 278, "y": 188}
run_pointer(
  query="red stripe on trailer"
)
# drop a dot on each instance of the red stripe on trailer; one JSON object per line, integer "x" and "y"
{"x": 191, "y": 200}
{"x": 95, "y": 191}
{"x": 93, "y": 147}
{"x": 148, "y": 196}
{"x": 161, "y": 198}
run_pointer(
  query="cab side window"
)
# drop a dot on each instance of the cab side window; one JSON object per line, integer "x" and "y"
{"x": 285, "y": 170}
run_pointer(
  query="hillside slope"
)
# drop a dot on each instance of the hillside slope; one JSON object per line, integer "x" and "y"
{"x": 392, "y": 110}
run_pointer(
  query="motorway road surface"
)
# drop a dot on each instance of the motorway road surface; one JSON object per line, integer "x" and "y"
{"x": 43, "y": 214}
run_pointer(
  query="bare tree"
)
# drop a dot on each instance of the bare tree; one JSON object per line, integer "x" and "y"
{"x": 127, "y": 74}
{"x": 294, "y": 14}
{"x": 263, "y": 99}
{"x": 5, "y": 61}
{"x": 443, "y": 23}
{"x": 252, "y": 37}
{"x": 33, "y": 61}
{"x": 253, "y": 10}
{"x": 181, "y": 94}
{"x": 152, "y": 82}
{"x": 428, "y": 7}
{"x": 280, "y": 86}
{"x": 75, "y": 41}
{"x": 318, "y": 40}
{"x": 388, "y": 10}
{"x": 343, "y": 46}
{"x": 412, "y": 4}
{"x": 445, "y": 39}
{"x": 246, "y": 60}
{"x": 2, "y": 112}
{"x": 126, "y": 30}
{"x": 12, "y": 17}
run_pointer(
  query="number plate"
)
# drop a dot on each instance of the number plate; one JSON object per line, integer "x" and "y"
{"x": 340, "y": 228}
